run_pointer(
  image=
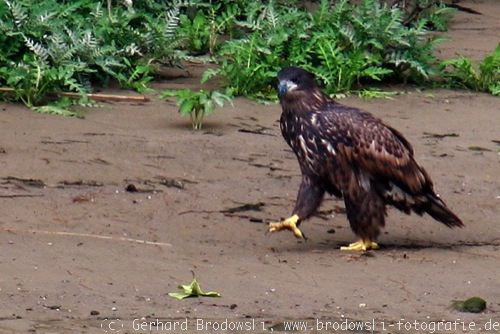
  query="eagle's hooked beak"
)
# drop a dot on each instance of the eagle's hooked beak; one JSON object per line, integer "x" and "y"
{"x": 285, "y": 86}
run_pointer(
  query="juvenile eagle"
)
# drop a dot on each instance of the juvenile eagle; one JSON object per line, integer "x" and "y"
{"x": 352, "y": 155}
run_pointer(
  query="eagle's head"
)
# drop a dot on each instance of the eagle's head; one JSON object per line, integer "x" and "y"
{"x": 294, "y": 81}
{"x": 298, "y": 91}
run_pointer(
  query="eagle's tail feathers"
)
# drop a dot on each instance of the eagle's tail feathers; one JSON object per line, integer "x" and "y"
{"x": 438, "y": 210}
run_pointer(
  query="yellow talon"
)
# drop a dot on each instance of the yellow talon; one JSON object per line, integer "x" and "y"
{"x": 361, "y": 245}
{"x": 287, "y": 224}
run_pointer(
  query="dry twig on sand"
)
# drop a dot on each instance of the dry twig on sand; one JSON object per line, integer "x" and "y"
{"x": 87, "y": 235}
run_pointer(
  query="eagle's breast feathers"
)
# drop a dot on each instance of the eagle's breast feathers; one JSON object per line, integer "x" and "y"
{"x": 345, "y": 145}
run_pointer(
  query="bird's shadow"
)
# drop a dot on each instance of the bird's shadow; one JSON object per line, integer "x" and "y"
{"x": 311, "y": 245}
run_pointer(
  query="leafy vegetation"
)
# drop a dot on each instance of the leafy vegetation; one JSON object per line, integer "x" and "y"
{"x": 49, "y": 45}
{"x": 201, "y": 30}
{"x": 460, "y": 72}
{"x": 197, "y": 104}
{"x": 438, "y": 15}
{"x": 343, "y": 45}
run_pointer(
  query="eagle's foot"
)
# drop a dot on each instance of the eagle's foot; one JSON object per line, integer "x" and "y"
{"x": 287, "y": 224}
{"x": 361, "y": 245}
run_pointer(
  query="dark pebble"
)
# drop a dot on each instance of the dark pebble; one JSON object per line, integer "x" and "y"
{"x": 131, "y": 188}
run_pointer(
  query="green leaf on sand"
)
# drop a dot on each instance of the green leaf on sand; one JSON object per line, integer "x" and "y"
{"x": 192, "y": 290}
{"x": 472, "y": 305}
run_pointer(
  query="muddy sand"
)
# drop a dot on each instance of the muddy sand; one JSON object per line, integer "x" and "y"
{"x": 78, "y": 250}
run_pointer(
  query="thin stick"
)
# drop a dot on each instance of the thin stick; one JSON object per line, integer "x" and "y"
{"x": 109, "y": 11}
{"x": 20, "y": 195}
{"x": 96, "y": 97}
{"x": 107, "y": 97}
{"x": 87, "y": 235}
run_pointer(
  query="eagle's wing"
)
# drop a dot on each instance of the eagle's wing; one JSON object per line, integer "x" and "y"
{"x": 374, "y": 148}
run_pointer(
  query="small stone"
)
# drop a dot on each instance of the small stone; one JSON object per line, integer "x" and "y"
{"x": 113, "y": 308}
{"x": 131, "y": 188}
{"x": 362, "y": 305}
{"x": 94, "y": 312}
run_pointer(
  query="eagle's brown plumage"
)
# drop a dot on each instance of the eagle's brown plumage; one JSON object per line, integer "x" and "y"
{"x": 351, "y": 154}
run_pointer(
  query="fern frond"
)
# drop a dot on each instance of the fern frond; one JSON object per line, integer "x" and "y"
{"x": 271, "y": 15}
{"x": 97, "y": 12}
{"x": 18, "y": 13}
{"x": 171, "y": 22}
{"x": 88, "y": 41}
{"x": 38, "y": 49}
{"x": 58, "y": 49}
{"x": 132, "y": 50}
{"x": 45, "y": 18}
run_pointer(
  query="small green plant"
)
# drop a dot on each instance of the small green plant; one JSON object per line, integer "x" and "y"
{"x": 439, "y": 16}
{"x": 220, "y": 23}
{"x": 197, "y": 104}
{"x": 437, "y": 13}
{"x": 460, "y": 72}
{"x": 136, "y": 77}
{"x": 195, "y": 32}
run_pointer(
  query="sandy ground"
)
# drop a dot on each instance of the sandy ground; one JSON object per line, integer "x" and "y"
{"x": 203, "y": 201}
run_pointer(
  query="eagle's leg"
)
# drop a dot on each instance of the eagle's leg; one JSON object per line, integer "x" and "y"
{"x": 287, "y": 224}
{"x": 366, "y": 214}
{"x": 308, "y": 199}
